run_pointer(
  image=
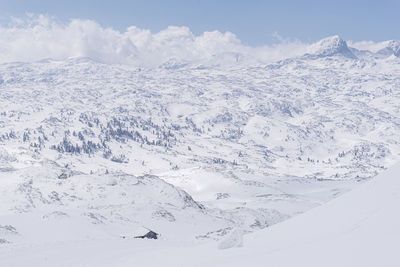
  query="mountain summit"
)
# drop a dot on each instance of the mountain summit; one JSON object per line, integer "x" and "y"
{"x": 331, "y": 46}
{"x": 392, "y": 48}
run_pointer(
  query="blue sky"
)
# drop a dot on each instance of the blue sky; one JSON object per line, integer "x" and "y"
{"x": 253, "y": 21}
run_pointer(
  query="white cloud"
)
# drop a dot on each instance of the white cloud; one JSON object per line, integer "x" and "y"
{"x": 368, "y": 45}
{"x": 38, "y": 37}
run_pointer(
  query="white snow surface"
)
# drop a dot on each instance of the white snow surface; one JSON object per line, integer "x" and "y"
{"x": 215, "y": 154}
{"x": 359, "y": 228}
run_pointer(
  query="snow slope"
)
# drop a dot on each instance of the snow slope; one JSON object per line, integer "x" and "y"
{"x": 359, "y": 228}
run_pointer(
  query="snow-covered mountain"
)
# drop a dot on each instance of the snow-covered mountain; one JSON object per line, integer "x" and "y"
{"x": 391, "y": 48}
{"x": 193, "y": 149}
{"x": 331, "y": 46}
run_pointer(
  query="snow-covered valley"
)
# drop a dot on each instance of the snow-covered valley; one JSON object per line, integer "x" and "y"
{"x": 202, "y": 151}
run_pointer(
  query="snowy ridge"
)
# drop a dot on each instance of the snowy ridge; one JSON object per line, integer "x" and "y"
{"x": 66, "y": 206}
{"x": 392, "y": 48}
